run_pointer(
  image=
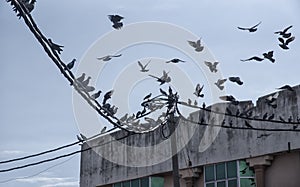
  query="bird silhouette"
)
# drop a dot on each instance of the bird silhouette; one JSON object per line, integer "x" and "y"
{"x": 197, "y": 45}
{"x": 220, "y": 83}
{"x": 284, "y": 43}
{"x": 86, "y": 82}
{"x": 229, "y": 98}
{"x": 265, "y": 116}
{"x": 250, "y": 29}
{"x": 107, "y": 96}
{"x": 89, "y": 88}
{"x": 147, "y": 96}
{"x": 236, "y": 80}
{"x": 79, "y": 138}
{"x": 83, "y": 137}
{"x": 247, "y": 124}
{"x": 55, "y": 47}
{"x": 70, "y": 65}
{"x": 163, "y": 79}
{"x": 271, "y": 117}
{"x": 103, "y": 130}
{"x": 143, "y": 67}
{"x": 96, "y": 95}
{"x": 81, "y": 78}
{"x": 284, "y": 32}
{"x": 271, "y": 100}
{"x": 116, "y": 20}
{"x": 29, "y": 5}
{"x": 286, "y": 87}
{"x": 269, "y": 55}
{"x": 212, "y": 66}
{"x": 256, "y": 58}
{"x": 175, "y": 60}
{"x": 108, "y": 57}
{"x": 198, "y": 90}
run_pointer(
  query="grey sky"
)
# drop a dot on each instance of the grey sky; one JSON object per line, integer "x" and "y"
{"x": 36, "y": 101}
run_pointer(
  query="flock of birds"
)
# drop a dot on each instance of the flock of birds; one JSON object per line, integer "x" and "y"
{"x": 133, "y": 121}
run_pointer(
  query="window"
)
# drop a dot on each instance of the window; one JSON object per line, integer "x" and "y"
{"x": 229, "y": 174}
{"x": 142, "y": 182}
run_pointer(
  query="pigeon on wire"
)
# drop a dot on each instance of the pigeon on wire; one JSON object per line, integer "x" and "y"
{"x": 220, "y": 83}
{"x": 286, "y": 87}
{"x": 29, "y": 5}
{"x": 96, "y": 95}
{"x": 236, "y": 80}
{"x": 70, "y": 65}
{"x": 143, "y": 67}
{"x": 165, "y": 78}
{"x": 81, "y": 78}
{"x": 103, "y": 130}
{"x": 198, "y": 90}
{"x": 229, "y": 98}
{"x": 86, "y": 82}
{"x": 284, "y": 33}
{"x": 250, "y": 29}
{"x": 269, "y": 55}
{"x": 284, "y": 43}
{"x": 116, "y": 20}
{"x": 89, "y": 88}
{"x": 247, "y": 124}
{"x": 108, "y": 57}
{"x": 197, "y": 45}
{"x": 212, "y": 66}
{"x": 55, "y": 47}
{"x": 175, "y": 60}
{"x": 107, "y": 96}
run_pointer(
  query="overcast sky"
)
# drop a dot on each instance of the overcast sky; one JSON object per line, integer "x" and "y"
{"x": 36, "y": 101}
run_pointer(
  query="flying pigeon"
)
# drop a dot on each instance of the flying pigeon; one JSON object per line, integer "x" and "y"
{"x": 108, "y": 57}
{"x": 286, "y": 87}
{"x": 175, "y": 60}
{"x": 143, "y": 67}
{"x": 70, "y": 65}
{"x": 212, "y": 66}
{"x": 198, "y": 90}
{"x": 96, "y": 95}
{"x": 256, "y": 58}
{"x": 107, "y": 96}
{"x": 269, "y": 56}
{"x": 55, "y": 47}
{"x": 116, "y": 20}
{"x": 220, "y": 83}
{"x": 229, "y": 98}
{"x": 197, "y": 45}
{"x": 250, "y": 29}
{"x": 284, "y": 32}
{"x": 236, "y": 80}
{"x": 284, "y": 44}
{"x": 163, "y": 79}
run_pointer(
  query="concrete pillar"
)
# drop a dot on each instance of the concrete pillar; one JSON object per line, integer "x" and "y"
{"x": 189, "y": 175}
{"x": 259, "y": 164}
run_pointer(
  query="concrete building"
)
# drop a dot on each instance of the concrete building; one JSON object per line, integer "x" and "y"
{"x": 238, "y": 154}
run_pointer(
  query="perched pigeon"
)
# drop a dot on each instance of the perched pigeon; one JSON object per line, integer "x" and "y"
{"x": 250, "y": 29}
{"x": 96, "y": 95}
{"x": 70, "y": 65}
{"x": 236, "y": 80}
{"x": 286, "y": 87}
{"x": 116, "y": 20}
{"x": 212, "y": 66}
{"x": 103, "y": 130}
{"x": 175, "y": 60}
{"x": 89, "y": 88}
{"x": 108, "y": 57}
{"x": 220, "y": 83}
{"x": 284, "y": 32}
{"x": 197, "y": 45}
{"x": 163, "y": 79}
{"x": 86, "y": 82}
{"x": 269, "y": 56}
{"x": 81, "y": 78}
{"x": 248, "y": 125}
{"x": 29, "y": 5}
{"x": 107, "y": 96}
{"x": 198, "y": 90}
{"x": 55, "y": 47}
{"x": 143, "y": 67}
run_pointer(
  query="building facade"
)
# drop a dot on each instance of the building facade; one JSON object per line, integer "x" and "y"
{"x": 249, "y": 147}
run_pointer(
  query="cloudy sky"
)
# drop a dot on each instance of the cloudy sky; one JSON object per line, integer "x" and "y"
{"x": 36, "y": 101}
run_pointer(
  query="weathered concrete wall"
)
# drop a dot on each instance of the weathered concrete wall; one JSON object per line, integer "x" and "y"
{"x": 230, "y": 144}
